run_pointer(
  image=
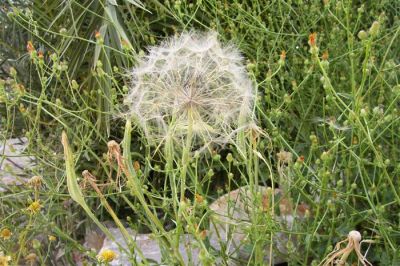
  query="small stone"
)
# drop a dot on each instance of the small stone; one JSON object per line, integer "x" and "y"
{"x": 148, "y": 245}
{"x": 15, "y": 163}
{"x": 231, "y": 220}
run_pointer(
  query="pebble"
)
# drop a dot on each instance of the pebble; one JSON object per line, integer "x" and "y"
{"x": 230, "y": 221}
{"x": 15, "y": 165}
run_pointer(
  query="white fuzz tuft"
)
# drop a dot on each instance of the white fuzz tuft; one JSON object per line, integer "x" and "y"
{"x": 355, "y": 235}
{"x": 191, "y": 81}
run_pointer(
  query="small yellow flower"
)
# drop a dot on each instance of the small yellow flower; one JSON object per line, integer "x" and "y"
{"x": 52, "y": 238}
{"x": 5, "y": 234}
{"x": 107, "y": 255}
{"x": 30, "y": 47}
{"x": 34, "y": 207}
{"x": 199, "y": 198}
{"x": 4, "y": 259}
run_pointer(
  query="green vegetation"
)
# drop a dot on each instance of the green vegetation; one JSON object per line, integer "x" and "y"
{"x": 327, "y": 82}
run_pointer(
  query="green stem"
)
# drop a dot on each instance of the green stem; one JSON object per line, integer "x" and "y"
{"x": 185, "y": 156}
{"x": 136, "y": 187}
{"x": 182, "y": 177}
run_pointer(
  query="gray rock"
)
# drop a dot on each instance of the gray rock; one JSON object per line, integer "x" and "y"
{"x": 148, "y": 245}
{"x": 231, "y": 223}
{"x": 14, "y": 164}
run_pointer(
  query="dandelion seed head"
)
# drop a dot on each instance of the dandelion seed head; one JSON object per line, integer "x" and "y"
{"x": 191, "y": 80}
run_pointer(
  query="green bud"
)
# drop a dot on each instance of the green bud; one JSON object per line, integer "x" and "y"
{"x": 290, "y": 246}
{"x": 313, "y": 139}
{"x": 64, "y": 66}
{"x": 294, "y": 85}
{"x": 210, "y": 173}
{"x": 53, "y": 57}
{"x": 183, "y": 204}
{"x": 387, "y": 118}
{"x": 374, "y": 30}
{"x": 99, "y": 64}
{"x": 325, "y": 64}
{"x": 33, "y": 54}
{"x": 100, "y": 71}
{"x": 13, "y": 72}
{"x": 325, "y": 156}
{"x": 362, "y": 35}
{"x": 74, "y": 84}
{"x": 36, "y": 244}
{"x": 251, "y": 66}
{"x": 396, "y": 90}
{"x": 287, "y": 99}
{"x": 216, "y": 157}
{"x": 363, "y": 112}
{"x": 377, "y": 110}
{"x": 152, "y": 40}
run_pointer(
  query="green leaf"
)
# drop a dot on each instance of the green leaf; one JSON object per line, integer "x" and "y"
{"x": 137, "y": 3}
{"x": 73, "y": 187}
{"x": 112, "y": 2}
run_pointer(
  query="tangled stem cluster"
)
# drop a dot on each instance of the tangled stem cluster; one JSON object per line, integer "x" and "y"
{"x": 340, "y": 255}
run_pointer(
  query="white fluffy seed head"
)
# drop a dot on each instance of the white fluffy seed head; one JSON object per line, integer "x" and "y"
{"x": 191, "y": 79}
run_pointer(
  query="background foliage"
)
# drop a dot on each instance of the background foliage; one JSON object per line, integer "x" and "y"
{"x": 336, "y": 113}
